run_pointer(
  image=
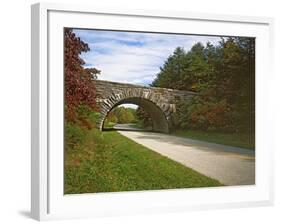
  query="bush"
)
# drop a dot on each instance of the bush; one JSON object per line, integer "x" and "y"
{"x": 74, "y": 135}
{"x": 200, "y": 114}
{"x": 75, "y": 131}
{"x": 86, "y": 117}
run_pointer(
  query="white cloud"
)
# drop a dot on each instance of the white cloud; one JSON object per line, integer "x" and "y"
{"x": 133, "y": 57}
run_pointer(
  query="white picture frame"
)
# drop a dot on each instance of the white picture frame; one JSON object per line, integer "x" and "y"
{"x": 48, "y": 201}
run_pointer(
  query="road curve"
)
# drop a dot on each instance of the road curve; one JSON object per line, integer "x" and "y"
{"x": 229, "y": 165}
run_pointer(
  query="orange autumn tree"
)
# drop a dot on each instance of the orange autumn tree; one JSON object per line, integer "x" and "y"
{"x": 79, "y": 86}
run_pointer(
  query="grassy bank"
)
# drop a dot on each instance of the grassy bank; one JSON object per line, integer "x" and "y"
{"x": 109, "y": 162}
{"x": 108, "y": 124}
{"x": 232, "y": 139}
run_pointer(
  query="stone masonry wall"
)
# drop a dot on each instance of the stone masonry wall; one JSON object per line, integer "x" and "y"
{"x": 155, "y": 100}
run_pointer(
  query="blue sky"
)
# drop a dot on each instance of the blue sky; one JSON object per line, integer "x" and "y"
{"x": 133, "y": 57}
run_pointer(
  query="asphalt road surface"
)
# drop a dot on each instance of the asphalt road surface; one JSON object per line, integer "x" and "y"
{"x": 229, "y": 165}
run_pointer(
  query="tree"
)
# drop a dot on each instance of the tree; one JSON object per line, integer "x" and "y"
{"x": 143, "y": 117}
{"x": 186, "y": 70}
{"x": 172, "y": 72}
{"x": 224, "y": 77}
{"x": 124, "y": 115}
{"x": 79, "y": 88}
{"x": 236, "y": 80}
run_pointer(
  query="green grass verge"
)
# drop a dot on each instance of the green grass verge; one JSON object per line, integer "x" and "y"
{"x": 231, "y": 139}
{"x": 110, "y": 162}
{"x": 109, "y": 124}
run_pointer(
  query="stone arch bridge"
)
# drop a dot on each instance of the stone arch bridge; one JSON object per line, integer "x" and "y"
{"x": 159, "y": 103}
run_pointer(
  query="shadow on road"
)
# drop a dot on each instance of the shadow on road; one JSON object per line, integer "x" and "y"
{"x": 127, "y": 127}
{"x": 148, "y": 134}
{"x": 124, "y": 129}
{"x": 208, "y": 146}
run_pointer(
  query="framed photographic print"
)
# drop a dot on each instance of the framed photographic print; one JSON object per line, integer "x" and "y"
{"x": 148, "y": 111}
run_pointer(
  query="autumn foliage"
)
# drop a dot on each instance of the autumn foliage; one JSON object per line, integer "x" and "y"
{"x": 79, "y": 87}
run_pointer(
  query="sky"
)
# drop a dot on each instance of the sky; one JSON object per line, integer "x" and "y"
{"x": 133, "y": 57}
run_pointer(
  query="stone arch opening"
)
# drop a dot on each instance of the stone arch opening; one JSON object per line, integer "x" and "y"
{"x": 159, "y": 119}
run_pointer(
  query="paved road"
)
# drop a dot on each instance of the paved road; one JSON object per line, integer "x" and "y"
{"x": 229, "y": 165}
{"x": 129, "y": 127}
